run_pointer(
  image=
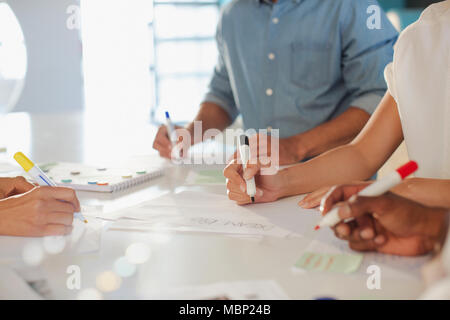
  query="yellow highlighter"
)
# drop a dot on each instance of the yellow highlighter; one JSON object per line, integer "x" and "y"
{"x": 39, "y": 176}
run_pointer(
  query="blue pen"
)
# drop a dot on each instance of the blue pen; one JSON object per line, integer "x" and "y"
{"x": 171, "y": 129}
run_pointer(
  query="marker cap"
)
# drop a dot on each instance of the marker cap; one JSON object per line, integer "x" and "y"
{"x": 24, "y": 162}
{"x": 167, "y": 115}
{"x": 407, "y": 169}
{"x": 243, "y": 139}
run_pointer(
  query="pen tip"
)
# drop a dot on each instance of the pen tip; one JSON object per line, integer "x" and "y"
{"x": 253, "y": 199}
{"x": 316, "y": 228}
{"x": 85, "y": 221}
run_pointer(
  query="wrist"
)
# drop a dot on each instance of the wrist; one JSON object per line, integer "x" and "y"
{"x": 285, "y": 183}
{"x": 301, "y": 147}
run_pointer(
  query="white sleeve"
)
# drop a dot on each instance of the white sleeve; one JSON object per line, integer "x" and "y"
{"x": 390, "y": 80}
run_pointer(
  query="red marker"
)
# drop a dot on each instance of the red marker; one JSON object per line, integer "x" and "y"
{"x": 374, "y": 190}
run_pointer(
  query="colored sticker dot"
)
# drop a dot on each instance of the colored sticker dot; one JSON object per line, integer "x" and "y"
{"x": 66, "y": 180}
{"x": 102, "y": 183}
{"x": 101, "y": 169}
{"x": 92, "y": 182}
{"x": 75, "y": 173}
{"x": 141, "y": 172}
{"x": 127, "y": 177}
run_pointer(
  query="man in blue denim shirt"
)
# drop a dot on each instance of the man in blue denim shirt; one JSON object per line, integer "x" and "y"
{"x": 311, "y": 68}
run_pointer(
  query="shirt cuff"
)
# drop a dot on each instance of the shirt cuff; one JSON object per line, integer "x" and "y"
{"x": 368, "y": 102}
{"x": 223, "y": 103}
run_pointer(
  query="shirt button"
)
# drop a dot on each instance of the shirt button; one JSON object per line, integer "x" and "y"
{"x": 271, "y": 56}
{"x": 269, "y": 92}
{"x": 275, "y": 20}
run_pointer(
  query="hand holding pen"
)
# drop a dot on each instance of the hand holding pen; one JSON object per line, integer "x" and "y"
{"x": 166, "y": 142}
{"x": 41, "y": 179}
{"x": 240, "y": 174}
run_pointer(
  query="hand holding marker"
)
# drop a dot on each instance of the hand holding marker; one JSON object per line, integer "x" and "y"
{"x": 376, "y": 189}
{"x": 172, "y": 137}
{"x": 244, "y": 150}
{"x": 39, "y": 176}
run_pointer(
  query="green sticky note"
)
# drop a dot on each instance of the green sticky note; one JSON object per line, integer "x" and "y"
{"x": 339, "y": 263}
{"x": 210, "y": 177}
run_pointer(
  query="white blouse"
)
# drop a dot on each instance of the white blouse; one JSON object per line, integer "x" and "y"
{"x": 419, "y": 80}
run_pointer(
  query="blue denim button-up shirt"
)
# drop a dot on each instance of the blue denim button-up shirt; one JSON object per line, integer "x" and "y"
{"x": 299, "y": 63}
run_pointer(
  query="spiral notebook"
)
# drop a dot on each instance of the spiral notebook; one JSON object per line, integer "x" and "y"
{"x": 100, "y": 179}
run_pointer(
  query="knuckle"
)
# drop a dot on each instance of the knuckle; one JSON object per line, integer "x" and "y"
{"x": 71, "y": 192}
{"x": 38, "y": 205}
{"x": 57, "y": 230}
{"x": 353, "y": 246}
{"x": 20, "y": 179}
{"x": 37, "y": 231}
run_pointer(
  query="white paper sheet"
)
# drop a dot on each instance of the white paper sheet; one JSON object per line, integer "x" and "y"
{"x": 13, "y": 287}
{"x": 203, "y": 224}
{"x": 86, "y": 237}
{"x": 238, "y": 290}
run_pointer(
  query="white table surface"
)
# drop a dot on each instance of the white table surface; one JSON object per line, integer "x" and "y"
{"x": 184, "y": 259}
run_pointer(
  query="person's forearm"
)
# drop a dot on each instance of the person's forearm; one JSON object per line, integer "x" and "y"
{"x": 331, "y": 134}
{"x": 212, "y": 116}
{"x": 340, "y": 165}
{"x": 430, "y": 192}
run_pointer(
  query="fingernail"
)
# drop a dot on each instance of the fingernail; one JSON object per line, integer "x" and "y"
{"x": 246, "y": 175}
{"x": 242, "y": 187}
{"x": 367, "y": 234}
{"x": 340, "y": 230}
{"x": 259, "y": 192}
{"x": 379, "y": 239}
